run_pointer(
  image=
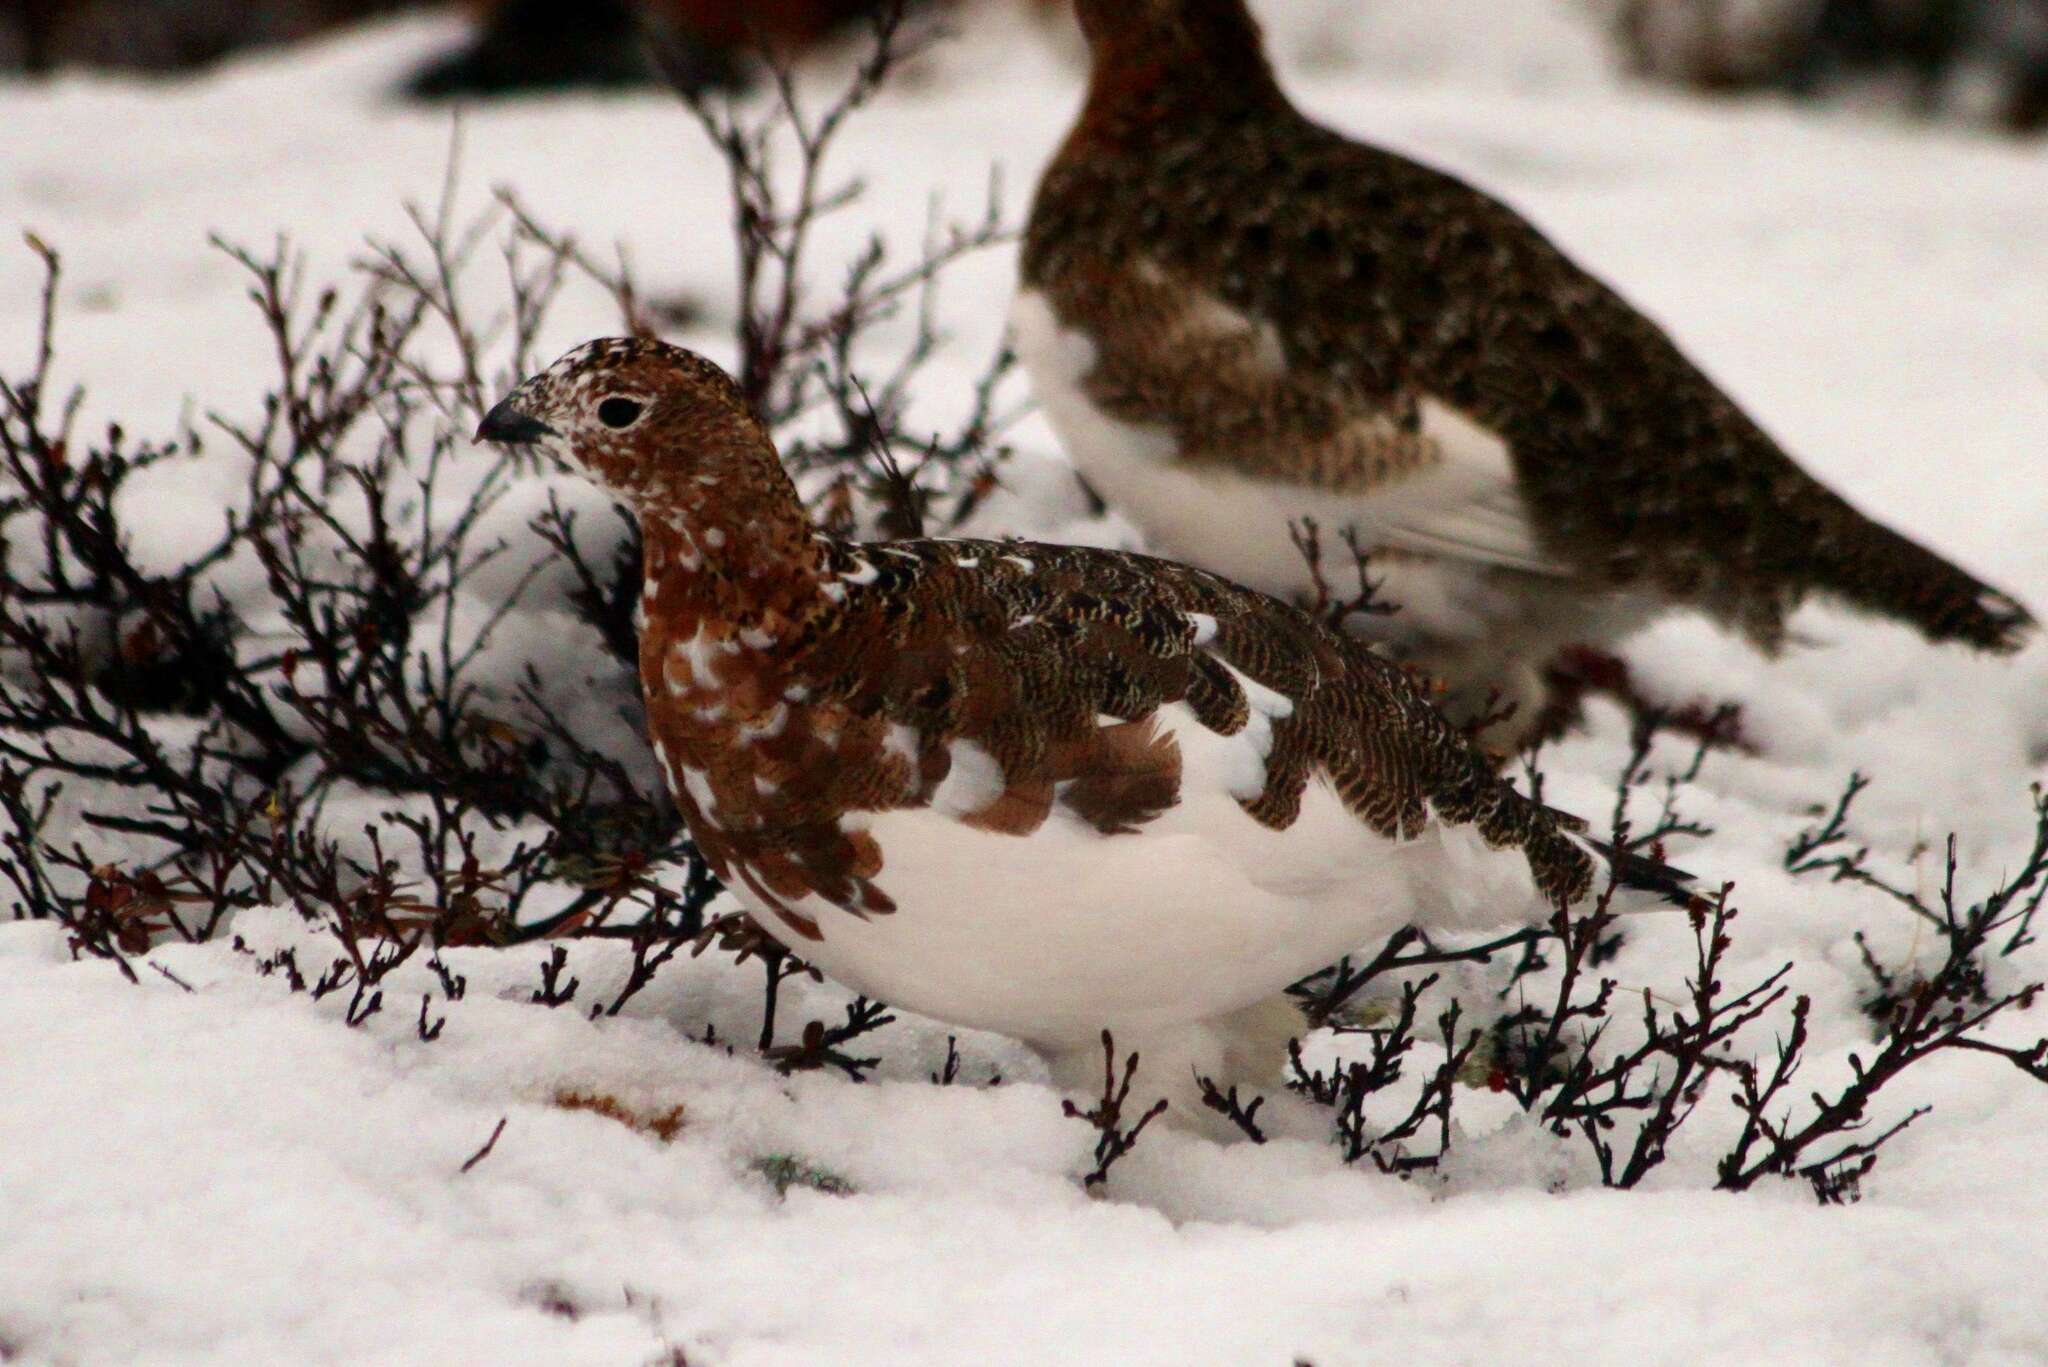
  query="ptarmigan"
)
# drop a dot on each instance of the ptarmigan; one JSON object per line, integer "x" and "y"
{"x": 1042, "y": 790}
{"x": 1236, "y": 318}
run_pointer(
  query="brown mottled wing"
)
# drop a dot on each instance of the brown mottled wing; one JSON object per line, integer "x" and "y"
{"x": 1054, "y": 660}
{"x": 1173, "y": 356}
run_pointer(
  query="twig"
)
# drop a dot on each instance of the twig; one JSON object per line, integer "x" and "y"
{"x": 1113, "y": 1139}
{"x": 485, "y": 1152}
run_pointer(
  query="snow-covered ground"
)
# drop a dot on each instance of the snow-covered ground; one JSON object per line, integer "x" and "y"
{"x": 230, "y": 1175}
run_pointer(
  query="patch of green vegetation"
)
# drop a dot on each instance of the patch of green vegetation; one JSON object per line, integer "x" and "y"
{"x": 784, "y": 1171}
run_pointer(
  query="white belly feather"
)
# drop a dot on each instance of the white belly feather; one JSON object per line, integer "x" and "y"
{"x": 1051, "y": 937}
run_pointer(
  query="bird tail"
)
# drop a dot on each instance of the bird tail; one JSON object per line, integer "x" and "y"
{"x": 1872, "y": 567}
{"x": 1642, "y": 884}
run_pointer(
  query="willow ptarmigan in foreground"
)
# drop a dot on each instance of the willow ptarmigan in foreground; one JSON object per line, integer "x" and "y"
{"x": 1043, "y": 790}
{"x": 1236, "y": 318}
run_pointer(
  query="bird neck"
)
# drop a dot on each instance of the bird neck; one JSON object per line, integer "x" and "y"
{"x": 728, "y": 542}
{"x": 1142, "y": 83}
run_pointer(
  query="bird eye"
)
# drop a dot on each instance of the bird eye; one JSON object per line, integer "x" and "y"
{"x": 619, "y": 412}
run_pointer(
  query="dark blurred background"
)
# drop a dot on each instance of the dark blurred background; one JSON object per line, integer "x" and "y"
{"x": 517, "y": 44}
{"x": 1986, "y": 60}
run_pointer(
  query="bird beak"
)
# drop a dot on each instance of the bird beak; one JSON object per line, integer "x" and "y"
{"x": 507, "y": 426}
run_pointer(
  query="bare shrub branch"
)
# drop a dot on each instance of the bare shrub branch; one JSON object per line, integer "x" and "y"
{"x": 797, "y": 355}
{"x": 1113, "y": 1137}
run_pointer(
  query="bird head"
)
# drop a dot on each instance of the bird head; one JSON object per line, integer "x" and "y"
{"x": 639, "y": 417}
{"x": 1161, "y": 29}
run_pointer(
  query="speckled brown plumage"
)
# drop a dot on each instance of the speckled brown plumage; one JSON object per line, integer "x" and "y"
{"x": 1021, "y": 649}
{"x": 1282, "y": 300}
{"x": 792, "y": 679}
{"x": 1045, "y": 790}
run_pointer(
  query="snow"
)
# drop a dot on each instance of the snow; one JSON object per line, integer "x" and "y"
{"x": 231, "y": 1175}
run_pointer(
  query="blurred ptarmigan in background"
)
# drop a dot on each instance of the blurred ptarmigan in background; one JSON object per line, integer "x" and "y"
{"x": 1042, "y": 790}
{"x": 1236, "y": 318}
